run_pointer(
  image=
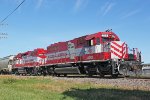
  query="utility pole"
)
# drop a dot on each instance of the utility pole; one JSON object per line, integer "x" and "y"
{"x": 4, "y": 35}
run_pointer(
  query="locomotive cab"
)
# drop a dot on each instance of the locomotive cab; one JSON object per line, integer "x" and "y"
{"x": 113, "y": 54}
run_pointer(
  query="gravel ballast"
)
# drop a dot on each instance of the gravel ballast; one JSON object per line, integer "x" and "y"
{"x": 127, "y": 83}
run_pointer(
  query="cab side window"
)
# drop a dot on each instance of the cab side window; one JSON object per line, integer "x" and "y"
{"x": 90, "y": 42}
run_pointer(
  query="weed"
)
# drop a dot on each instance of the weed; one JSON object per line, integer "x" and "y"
{"x": 9, "y": 81}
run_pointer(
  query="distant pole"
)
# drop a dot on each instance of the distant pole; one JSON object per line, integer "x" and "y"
{"x": 4, "y": 35}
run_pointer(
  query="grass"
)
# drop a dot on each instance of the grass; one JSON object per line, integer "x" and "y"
{"x": 46, "y": 88}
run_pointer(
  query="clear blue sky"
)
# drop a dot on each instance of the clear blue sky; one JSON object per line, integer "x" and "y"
{"x": 38, "y": 23}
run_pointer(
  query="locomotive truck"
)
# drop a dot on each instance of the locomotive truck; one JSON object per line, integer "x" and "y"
{"x": 101, "y": 53}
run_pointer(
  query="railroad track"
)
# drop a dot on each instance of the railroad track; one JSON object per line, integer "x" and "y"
{"x": 94, "y": 76}
{"x": 127, "y": 82}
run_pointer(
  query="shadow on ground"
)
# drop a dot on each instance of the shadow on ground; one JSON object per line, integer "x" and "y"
{"x": 106, "y": 94}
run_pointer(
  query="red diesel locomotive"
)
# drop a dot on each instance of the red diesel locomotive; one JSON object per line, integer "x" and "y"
{"x": 101, "y": 53}
{"x": 28, "y": 62}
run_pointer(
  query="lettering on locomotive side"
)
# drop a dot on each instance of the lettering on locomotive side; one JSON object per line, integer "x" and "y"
{"x": 90, "y": 58}
{"x": 30, "y": 60}
{"x": 57, "y": 55}
{"x": 50, "y": 56}
{"x": 61, "y": 55}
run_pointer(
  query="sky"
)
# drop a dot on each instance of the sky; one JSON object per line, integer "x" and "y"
{"x": 39, "y": 23}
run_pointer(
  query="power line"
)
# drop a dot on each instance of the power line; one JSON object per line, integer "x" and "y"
{"x": 12, "y": 11}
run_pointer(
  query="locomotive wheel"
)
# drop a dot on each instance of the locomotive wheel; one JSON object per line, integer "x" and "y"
{"x": 90, "y": 75}
{"x": 99, "y": 72}
{"x": 104, "y": 68}
{"x": 16, "y": 72}
{"x": 65, "y": 75}
{"x": 58, "y": 75}
{"x": 101, "y": 75}
{"x": 114, "y": 75}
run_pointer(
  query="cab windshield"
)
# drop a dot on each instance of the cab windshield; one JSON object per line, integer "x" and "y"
{"x": 106, "y": 39}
